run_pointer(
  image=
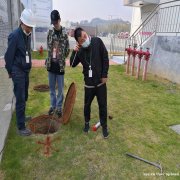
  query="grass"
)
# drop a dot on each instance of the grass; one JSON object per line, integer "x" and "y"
{"x": 37, "y": 55}
{"x": 142, "y": 112}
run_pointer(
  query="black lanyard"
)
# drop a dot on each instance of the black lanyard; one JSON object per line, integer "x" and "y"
{"x": 25, "y": 41}
{"x": 89, "y": 63}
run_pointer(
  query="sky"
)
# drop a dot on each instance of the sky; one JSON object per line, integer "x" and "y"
{"x": 77, "y": 10}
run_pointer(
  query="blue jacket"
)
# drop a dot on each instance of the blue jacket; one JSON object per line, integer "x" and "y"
{"x": 15, "y": 56}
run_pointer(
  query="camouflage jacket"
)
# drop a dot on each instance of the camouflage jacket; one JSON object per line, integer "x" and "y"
{"x": 62, "y": 44}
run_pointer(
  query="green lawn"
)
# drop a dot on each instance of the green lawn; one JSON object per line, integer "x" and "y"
{"x": 37, "y": 55}
{"x": 142, "y": 112}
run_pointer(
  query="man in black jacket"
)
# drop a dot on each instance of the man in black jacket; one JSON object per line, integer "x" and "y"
{"x": 92, "y": 54}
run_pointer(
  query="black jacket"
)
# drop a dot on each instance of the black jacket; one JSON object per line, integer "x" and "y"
{"x": 98, "y": 55}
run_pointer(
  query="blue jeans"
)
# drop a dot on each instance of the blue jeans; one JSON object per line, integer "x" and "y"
{"x": 21, "y": 83}
{"x": 56, "y": 101}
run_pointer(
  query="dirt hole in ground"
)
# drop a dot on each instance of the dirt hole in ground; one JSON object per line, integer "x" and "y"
{"x": 45, "y": 124}
{"x": 41, "y": 88}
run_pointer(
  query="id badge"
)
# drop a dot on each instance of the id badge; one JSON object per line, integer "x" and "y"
{"x": 90, "y": 73}
{"x": 54, "y": 53}
{"x": 27, "y": 58}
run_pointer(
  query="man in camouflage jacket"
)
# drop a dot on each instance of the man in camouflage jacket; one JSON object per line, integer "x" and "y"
{"x": 58, "y": 50}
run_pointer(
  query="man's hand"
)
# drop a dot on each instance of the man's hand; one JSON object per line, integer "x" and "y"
{"x": 104, "y": 80}
{"x": 77, "y": 47}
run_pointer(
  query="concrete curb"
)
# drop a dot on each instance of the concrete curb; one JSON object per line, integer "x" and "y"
{"x": 6, "y": 107}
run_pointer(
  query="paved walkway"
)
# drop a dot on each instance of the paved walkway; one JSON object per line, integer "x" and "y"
{"x": 6, "y": 107}
{"x": 41, "y": 63}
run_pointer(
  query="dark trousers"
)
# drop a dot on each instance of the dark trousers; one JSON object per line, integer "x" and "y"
{"x": 21, "y": 84}
{"x": 101, "y": 94}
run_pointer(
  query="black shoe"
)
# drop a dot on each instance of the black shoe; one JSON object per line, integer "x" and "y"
{"x": 86, "y": 127}
{"x": 51, "y": 111}
{"x": 59, "y": 113}
{"x": 24, "y": 132}
{"x": 105, "y": 132}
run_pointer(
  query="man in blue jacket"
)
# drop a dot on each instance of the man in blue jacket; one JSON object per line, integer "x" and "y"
{"x": 18, "y": 65}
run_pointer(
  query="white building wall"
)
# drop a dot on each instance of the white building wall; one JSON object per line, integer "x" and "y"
{"x": 164, "y": 46}
{"x": 169, "y": 4}
{"x": 136, "y": 19}
{"x": 9, "y": 20}
{"x": 16, "y": 9}
{"x": 164, "y": 1}
{"x": 146, "y": 10}
{"x": 164, "y": 61}
{"x": 139, "y": 14}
